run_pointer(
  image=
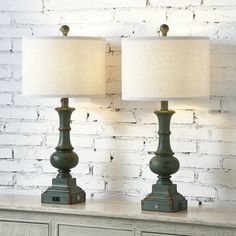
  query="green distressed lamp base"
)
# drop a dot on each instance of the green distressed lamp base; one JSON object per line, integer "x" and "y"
{"x": 63, "y": 191}
{"x": 164, "y": 198}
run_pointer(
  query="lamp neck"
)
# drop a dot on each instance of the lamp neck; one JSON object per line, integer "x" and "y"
{"x": 164, "y": 105}
{"x": 64, "y": 102}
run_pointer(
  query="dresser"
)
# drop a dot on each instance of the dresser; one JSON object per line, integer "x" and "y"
{"x": 26, "y": 216}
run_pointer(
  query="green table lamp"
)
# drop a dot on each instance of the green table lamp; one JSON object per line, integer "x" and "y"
{"x": 164, "y": 68}
{"x": 63, "y": 67}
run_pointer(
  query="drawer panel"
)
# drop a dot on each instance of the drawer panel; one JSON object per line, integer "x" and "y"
{"x": 12, "y": 228}
{"x": 159, "y": 234}
{"x": 65, "y": 230}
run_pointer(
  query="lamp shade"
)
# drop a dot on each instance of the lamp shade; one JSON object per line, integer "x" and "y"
{"x": 63, "y": 66}
{"x": 165, "y": 68}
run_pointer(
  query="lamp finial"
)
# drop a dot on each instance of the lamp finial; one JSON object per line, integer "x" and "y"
{"x": 164, "y": 29}
{"x": 65, "y": 29}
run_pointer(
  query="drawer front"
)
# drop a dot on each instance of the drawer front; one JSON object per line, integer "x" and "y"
{"x": 159, "y": 234}
{"x": 12, "y": 228}
{"x": 65, "y": 230}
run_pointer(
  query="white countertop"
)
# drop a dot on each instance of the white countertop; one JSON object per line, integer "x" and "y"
{"x": 123, "y": 210}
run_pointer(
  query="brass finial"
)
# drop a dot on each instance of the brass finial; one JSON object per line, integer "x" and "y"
{"x": 65, "y": 29}
{"x": 164, "y": 29}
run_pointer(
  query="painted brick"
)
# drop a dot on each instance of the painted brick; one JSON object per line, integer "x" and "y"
{"x": 9, "y": 86}
{"x": 223, "y": 60}
{"x": 93, "y": 156}
{"x": 88, "y": 16}
{"x": 5, "y": 18}
{"x": 130, "y": 130}
{"x": 219, "y": 3}
{"x": 226, "y": 194}
{"x": 177, "y": 146}
{"x": 218, "y": 148}
{"x": 16, "y": 45}
{"x": 227, "y": 135}
{"x": 16, "y": 139}
{"x": 5, "y": 99}
{"x": 119, "y": 157}
{"x": 183, "y": 117}
{"x": 5, "y": 44}
{"x": 223, "y": 75}
{"x": 140, "y": 15}
{"x": 16, "y": 32}
{"x": 46, "y": 30}
{"x": 14, "y": 165}
{"x": 189, "y": 133}
{"x": 130, "y": 186}
{"x": 86, "y": 128}
{"x": 199, "y": 161}
{"x": 23, "y": 5}
{"x": 30, "y": 179}
{"x": 10, "y": 58}
{"x": 228, "y": 104}
{"x": 33, "y": 153}
{"x": 16, "y": 71}
{"x": 6, "y": 153}
{"x": 176, "y": 3}
{"x": 229, "y": 163}
{"x": 214, "y": 118}
{"x": 113, "y": 59}
{"x": 111, "y": 116}
{"x": 117, "y": 171}
{"x": 113, "y": 87}
{"x": 5, "y": 72}
{"x": 36, "y": 18}
{"x": 195, "y": 104}
{"x": 73, "y": 4}
{"x": 29, "y": 127}
{"x": 222, "y": 47}
{"x": 6, "y": 179}
{"x": 113, "y": 73}
{"x": 17, "y": 112}
{"x": 106, "y": 143}
{"x": 179, "y": 15}
{"x": 218, "y": 178}
{"x": 90, "y": 102}
{"x": 88, "y": 182}
{"x": 208, "y": 29}
{"x": 227, "y": 31}
{"x": 198, "y": 190}
{"x": 33, "y": 101}
{"x": 215, "y": 15}
{"x": 79, "y": 115}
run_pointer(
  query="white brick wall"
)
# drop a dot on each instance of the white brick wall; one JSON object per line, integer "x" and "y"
{"x": 115, "y": 139}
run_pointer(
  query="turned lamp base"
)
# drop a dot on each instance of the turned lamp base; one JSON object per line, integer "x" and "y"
{"x": 63, "y": 191}
{"x": 164, "y": 198}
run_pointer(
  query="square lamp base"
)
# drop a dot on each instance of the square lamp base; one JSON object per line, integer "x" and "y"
{"x": 164, "y": 198}
{"x": 63, "y": 191}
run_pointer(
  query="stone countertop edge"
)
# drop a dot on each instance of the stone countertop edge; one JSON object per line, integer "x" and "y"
{"x": 122, "y": 209}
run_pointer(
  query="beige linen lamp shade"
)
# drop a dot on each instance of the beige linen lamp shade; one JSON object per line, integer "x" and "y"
{"x": 165, "y": 68}
{"x": 63, "y": 66}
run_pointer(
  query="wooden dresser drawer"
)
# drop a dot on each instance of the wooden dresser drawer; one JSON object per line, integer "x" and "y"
{"x": 12, "y": 228}
{"x": 159, "y": 234}
{"x": 65, "y": 230}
